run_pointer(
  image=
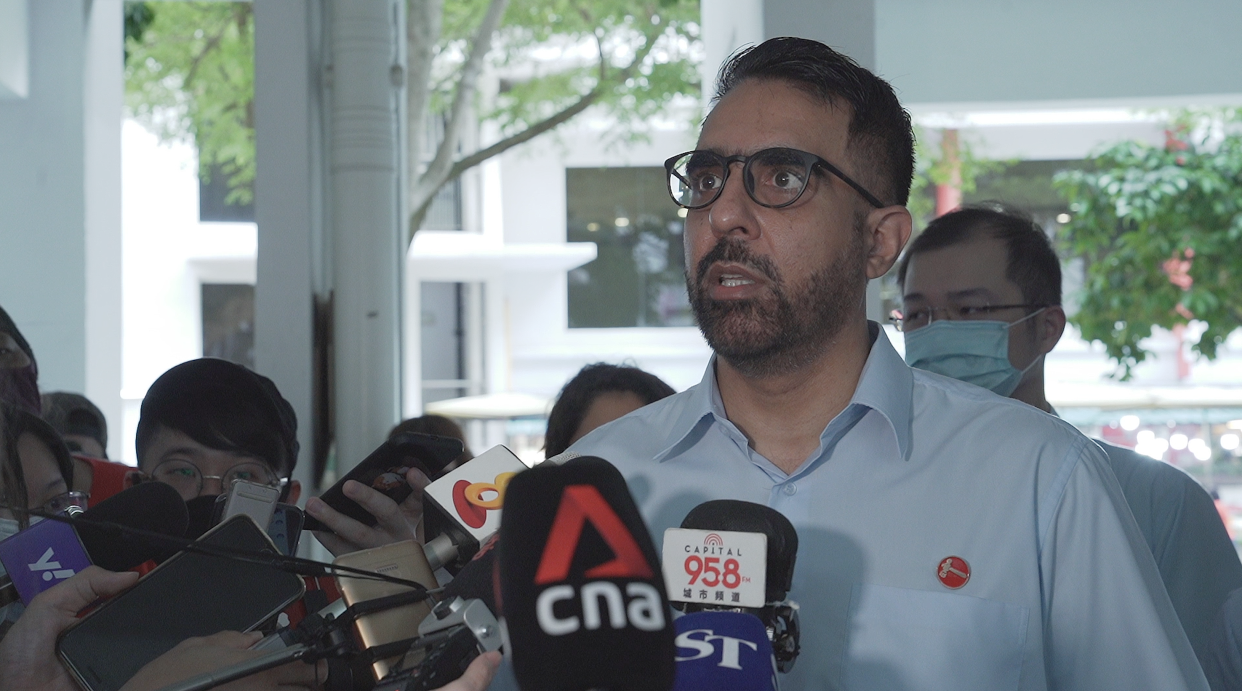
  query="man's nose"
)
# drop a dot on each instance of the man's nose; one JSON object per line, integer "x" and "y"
{"x": 212, "y": 484}
{"x": 733, "y": 211}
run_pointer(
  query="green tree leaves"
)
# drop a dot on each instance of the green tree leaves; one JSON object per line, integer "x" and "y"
{"x": 1158, "y": 229}
{"x": 189, "y": 76}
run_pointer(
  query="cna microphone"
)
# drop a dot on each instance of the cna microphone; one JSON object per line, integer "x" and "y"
{"x": 579, "y": 578}
{"x": 724, "y": 650}
{"x": 51, "y": 551}
{"x": 462, "y": 508}
{"x": 737, "y": 556}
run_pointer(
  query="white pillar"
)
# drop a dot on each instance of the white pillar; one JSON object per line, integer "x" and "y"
{"x": 285, "y": 208}
{"x": 104, "y": 88}
{"x": 367, "y": 251}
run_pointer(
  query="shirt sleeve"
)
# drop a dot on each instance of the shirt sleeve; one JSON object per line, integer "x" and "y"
{"x": 1198, "y": 561}
{"x": 1108, "y": 622}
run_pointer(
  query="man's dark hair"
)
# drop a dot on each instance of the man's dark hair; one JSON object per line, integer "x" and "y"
{"x": 71, "y": 413}
{"x": 223, "y": 406}
{"x": 1032, "y": 262}
{"x": 16, "y": 422}
{"x": 881, "y": 140}
{"x": 581, "y": 391}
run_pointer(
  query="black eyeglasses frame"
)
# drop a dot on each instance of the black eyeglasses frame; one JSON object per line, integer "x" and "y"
{"x": 811, "y": 160}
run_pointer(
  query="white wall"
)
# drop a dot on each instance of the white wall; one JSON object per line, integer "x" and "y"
{"x": 544, "y": 352}
{"x": 42, "y": 232}
{"x": 168, "y": 255}
{"x": 990, "y": 51}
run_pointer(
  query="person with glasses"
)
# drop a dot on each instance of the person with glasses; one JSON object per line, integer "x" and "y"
{"x": 208, "y": 422}
{"x": 946, "y": 536}
{"x": 981, "y": 294}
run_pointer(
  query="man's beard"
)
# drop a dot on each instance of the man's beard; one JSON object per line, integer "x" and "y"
{"x": 786, "y": 329}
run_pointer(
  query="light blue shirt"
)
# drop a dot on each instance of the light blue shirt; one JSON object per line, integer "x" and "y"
{"x": 1063, "y": 592}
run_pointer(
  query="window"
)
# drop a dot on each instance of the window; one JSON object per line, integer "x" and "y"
{"x": 637, "y": 278}
{"x": 228, "y": 322}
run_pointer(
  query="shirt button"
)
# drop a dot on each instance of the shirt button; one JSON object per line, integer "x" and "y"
{"x": 790, "y": 489}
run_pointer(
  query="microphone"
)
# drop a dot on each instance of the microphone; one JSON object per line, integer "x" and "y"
{"x": 582, "y": 598}
{"x": 462, "y": 509}
{"x": 737, "y": 556}
{"x": 479, "y": 578}
{"x": 51, "y": 551}
{"x": 724, "y": 650}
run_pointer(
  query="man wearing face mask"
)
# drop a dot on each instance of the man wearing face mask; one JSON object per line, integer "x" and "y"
{"x": 981, "y": 294}
{"x": 207, "y": 422}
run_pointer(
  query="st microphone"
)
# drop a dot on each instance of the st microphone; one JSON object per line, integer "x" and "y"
{"x": 463, "y": 508}
{"x": 580, "y": 585}
{"x": 724, "y": 650}
{"x": 51, "y": 551}
{"x": 737, "y": 556}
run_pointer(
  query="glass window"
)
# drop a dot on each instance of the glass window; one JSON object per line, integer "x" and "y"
{"x": 228, "y": 322}
{"x": 638, "y": 276}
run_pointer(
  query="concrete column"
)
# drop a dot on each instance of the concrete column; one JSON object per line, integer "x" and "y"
{"x": 285, "y": 201}
{"x": 104, "y": 88}
{"x": 366, "y": 248}
{"x": 846, "y": 25}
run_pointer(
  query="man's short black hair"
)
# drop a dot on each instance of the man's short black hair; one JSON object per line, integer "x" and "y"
{"x": 580, "y": 392}
{"x": 223, "y": 406}
{"x": 881, "y": 139}
{"x": 1032, "y": 262}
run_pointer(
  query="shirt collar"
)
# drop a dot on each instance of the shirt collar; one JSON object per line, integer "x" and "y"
{"x": 885, "y": 386}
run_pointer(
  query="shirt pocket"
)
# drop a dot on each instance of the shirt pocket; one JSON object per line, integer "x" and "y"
{"x": 914, "y": 640}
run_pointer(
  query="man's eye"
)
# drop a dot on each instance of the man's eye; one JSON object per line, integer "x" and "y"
{"x": 972, "y": 311}
{"x": 182, "y": 472}
{"x": 705, "y": 181}
{"x": 786, "y": 180}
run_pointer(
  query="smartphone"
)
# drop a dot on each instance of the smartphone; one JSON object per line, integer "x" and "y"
{"x": 188, "y": 595}
{"x": 384, "y": 470}
{"x": 403, "y": 560}
{"x": 252, "y": 499}
{"x": 285, "y": 528}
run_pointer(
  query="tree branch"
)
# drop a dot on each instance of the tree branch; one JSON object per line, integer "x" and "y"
{"x": 428, "y": 185}
{"x": 466, "y": 87}
{"x": 212, "y": 44}
{"x": 555, "y": 119}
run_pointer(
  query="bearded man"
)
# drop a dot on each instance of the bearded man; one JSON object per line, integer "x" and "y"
{"x": 948, "y": 537}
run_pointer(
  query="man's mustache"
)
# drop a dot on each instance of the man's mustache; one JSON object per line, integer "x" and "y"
{"x": 736, "y": 252}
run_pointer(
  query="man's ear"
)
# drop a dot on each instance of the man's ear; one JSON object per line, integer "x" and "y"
{"x": 888, "y": 230}
{"x": 1052, "y": 327}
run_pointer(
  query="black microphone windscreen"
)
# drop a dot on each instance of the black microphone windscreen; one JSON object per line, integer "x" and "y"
{"x": 749, "y": 517}
{"x": 150, "y": 506}
{"x": 581, "y": 584}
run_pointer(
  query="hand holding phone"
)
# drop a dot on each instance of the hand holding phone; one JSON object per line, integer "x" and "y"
{"x": 380, "y": 501}
{"x": 394, "y": 522}
{"x": 28, "y": 651}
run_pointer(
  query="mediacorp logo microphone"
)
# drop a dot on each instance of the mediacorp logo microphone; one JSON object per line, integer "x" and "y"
{"x": 583, "y": 598}
{"x": 465, "y": 505}
{"x": 724, "y": 650}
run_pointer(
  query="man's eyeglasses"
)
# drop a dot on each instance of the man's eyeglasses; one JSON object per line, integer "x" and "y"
{"x": 60, "y": 502}
{"x": 918, "y": 318}
{"x": 187, "y": 479}
{"x": 773, "y": 177}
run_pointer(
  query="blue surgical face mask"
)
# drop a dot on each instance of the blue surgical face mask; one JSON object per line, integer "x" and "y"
{"x": 976, "y": 352}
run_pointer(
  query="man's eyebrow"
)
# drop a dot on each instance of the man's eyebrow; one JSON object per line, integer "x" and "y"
{"x": 970, "y": 293}
{"x": 184, "y": 450}
{"x": 60, "y": 481}
{"x": 913, "y": 296}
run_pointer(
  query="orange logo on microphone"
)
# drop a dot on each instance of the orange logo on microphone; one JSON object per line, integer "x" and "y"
{"x": 472, "y": 503}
